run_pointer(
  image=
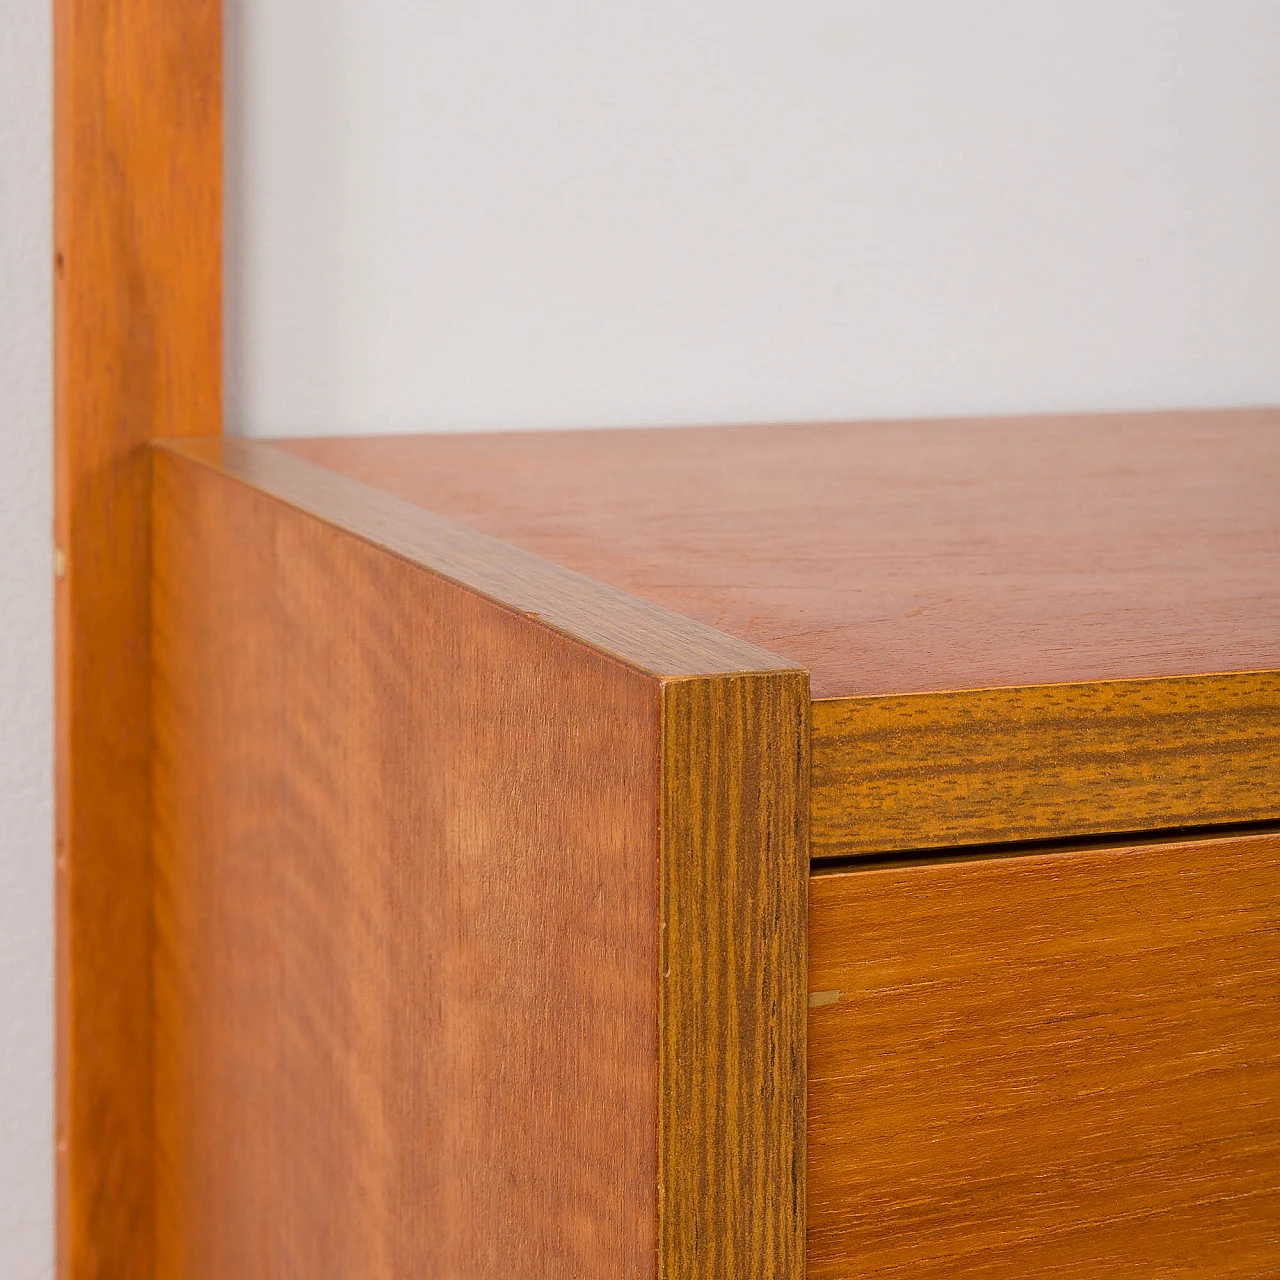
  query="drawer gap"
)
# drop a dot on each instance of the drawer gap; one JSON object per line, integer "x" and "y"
{"x": 1027, "y": 848}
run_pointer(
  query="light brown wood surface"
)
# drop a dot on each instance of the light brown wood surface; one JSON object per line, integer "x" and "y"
{"x": 648, "y": 636}
{"x": 1015, "y": 627}
{"x": 432, "y": 886}
{"x": 1064, "y": 1065}
{"x": 892, "y": 558}
{"x": 137, "y": 307}
{"x": 930, "y": 770}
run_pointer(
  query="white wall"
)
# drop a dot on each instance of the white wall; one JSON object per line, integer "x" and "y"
{"x": 488, "y": 213}
{"x": 477, "y": 213}
{"x": 26, "y": 623}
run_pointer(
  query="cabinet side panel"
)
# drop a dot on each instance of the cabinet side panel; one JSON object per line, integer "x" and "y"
{"x": 1063, "y": 1066}
{"x": 734, "y": 880}
{"x": 406, "y": 915}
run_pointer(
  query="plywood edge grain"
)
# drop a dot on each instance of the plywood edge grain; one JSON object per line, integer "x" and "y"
{"x": 643, "y": 635}
{"x": 930, "y": 770}
{"x": 733, "y": 958}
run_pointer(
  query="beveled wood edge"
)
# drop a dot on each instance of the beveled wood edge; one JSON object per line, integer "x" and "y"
{"x": 733, "y": 995}
{"x": 933, "y": 770}
{"x": 642, "y": 635}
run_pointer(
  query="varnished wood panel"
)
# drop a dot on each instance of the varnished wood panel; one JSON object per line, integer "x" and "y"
{"x": 642, "y": 634}
{"x": 136, "y": 280}
{"x": 733, "y": 930}
{"x": 892, "y": 558}
{"x": 422, "y": 993}
{"x": 405, "y": 923}
{"x": 930, "y": 770}
{"x": 1063, "y": 1065}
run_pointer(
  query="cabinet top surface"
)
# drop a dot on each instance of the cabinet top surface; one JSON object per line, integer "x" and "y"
{"x": 899, "y": 557}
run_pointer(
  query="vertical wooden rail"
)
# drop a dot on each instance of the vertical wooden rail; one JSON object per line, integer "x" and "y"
{"x": 137, "y": 271}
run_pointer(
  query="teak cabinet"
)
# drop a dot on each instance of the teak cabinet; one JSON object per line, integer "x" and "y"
{"x": 727, "y": 854}
{"x": 842, "y": 850}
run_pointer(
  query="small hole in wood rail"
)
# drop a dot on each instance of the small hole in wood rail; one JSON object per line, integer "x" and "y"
{"x": 818, "y": 998}
{"x": 59, "y": 264}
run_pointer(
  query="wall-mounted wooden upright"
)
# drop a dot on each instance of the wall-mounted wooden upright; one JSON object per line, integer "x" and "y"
{"x": 137, "y": 285}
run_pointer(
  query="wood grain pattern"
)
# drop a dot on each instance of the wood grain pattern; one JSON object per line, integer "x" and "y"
{"x": 645, "y": 635}
{"x": 137, "y": 310}
{"x": 406, "y": 952}
{"x": 413, "y": 842}
{"x": 930, "y": 770}
{"x": 733, "y": 911}
{"x": 892, "y": 558}
{"x": 1063, "y": 1065}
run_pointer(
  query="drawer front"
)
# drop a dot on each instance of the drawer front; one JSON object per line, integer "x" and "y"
{"x": 1059, "y": 1065}
{"x": 1056, "y": 761}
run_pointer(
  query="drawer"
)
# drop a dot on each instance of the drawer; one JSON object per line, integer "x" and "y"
{"x": 1065, "y": 1064}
